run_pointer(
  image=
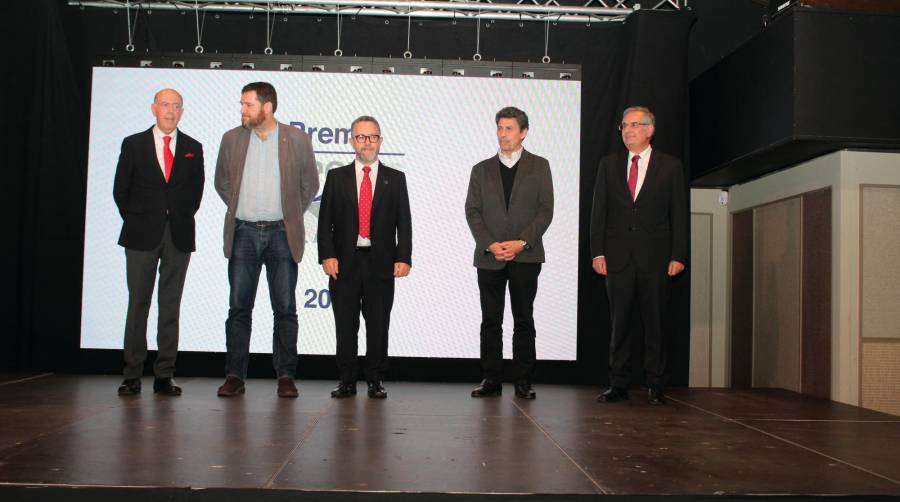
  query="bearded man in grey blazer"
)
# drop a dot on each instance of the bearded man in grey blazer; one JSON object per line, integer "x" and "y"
{"x": 266, "y": 174}
{"x": 509, "y": 206}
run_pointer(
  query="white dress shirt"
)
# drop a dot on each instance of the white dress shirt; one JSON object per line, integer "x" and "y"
{"x": 643, "y": 162}
{"x": 161, "y": 143}
{"x": 361, "y": 241}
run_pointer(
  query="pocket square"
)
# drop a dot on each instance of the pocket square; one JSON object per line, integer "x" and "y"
{"x": 189, "y": 155}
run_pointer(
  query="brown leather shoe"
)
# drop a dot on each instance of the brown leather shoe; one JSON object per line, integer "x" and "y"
{"x": 286, "y": 387}
{"x": 232, "y": 387}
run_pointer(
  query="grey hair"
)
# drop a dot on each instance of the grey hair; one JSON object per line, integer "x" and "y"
{"x": 646, "y": 111}
{"x": 366, "y": 118}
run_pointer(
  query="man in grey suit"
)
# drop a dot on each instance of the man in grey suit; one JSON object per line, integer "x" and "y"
{"x": 266, "y": 174}
{"x": 509, "y": 206}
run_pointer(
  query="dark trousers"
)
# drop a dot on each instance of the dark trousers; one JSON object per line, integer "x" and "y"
{"x": 651, "y": 291}
{"x": 257, "y": 244}
{"x": 140, "y": 271}
{"x": 523, "y": 281}
{"x": 362, "y": 291}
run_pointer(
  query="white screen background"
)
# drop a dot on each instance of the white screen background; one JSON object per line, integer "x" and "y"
{"x": 438, "y": 127}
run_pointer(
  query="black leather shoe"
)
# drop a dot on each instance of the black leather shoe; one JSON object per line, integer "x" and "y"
{"x": 487, "y": 388}
{"x": 613, "y": 395}
{"x": 232, "y": 387}
{"x": 376, "y": 390}
{"x": 344, "y": 389}
{"x": 524, "y": 390}
{"x": 655, "y": 396}
{"x": 166, "y": 386}
{"x": 130, "y": 387}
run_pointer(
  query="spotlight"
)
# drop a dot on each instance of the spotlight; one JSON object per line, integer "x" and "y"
{"x": 177, "y": 64}
{"x": 387, "y": 69}
{"x": 527, "y": 74}
{"x": 286, "y": 67}
{"x": 496, "y": 73}
{"x": 248, "y": 66}
{"x": 318, "y": 67}
{"x": 356, "y": 69}
{"x": 146, "y": 63}
{"x": 215, "y": 65}
{"x": 565, "y": 76}
{"x": 459, "y": 72}
{"x": 426, "y": 71}
{"x": 108, "y": 62}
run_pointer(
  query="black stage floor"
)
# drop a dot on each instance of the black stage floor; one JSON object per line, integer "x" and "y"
{"x": 66, "y": 430}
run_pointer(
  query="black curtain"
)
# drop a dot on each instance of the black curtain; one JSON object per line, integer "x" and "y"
{"x": 641, "y": 61}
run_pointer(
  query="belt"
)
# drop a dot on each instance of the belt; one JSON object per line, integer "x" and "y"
{"x": 261, "y": 224}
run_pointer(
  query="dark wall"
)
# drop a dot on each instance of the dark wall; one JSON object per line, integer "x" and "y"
{"x": 641, "y": 61}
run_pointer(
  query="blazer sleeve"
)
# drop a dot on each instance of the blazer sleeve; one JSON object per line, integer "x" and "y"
{"x": 474, "y": 211}
{"x": 223, "y": 167}
{"x": 122, "y": 181}
{"x": 309, "y": 174}
{"x": 404, "y": 224}
{"x": 679, "y": 213}
{"x": 325, "y": 232}
{"x": 544, "y": 215}
{"x": 598, "y": 213}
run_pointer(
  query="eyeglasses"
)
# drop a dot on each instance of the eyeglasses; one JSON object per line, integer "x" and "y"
{"x": 626, "y": 125}
{"x": 367, "y": 138}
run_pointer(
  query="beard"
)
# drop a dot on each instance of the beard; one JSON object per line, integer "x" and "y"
{"x": 252, "y": 121}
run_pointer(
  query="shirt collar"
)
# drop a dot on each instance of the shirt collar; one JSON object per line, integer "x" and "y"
{"x": 645, "y": 155}
{"x": 158, "y": 134}
{"x": 374, "y": 165}
{"x": 512, "y": 159}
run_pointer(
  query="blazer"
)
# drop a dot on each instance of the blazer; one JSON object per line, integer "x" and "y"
{"x": 390, "y": 226}
{"x": 529, "y": 214}
{"x": 299, "y": 181}
{"x": 648, "y": 232}
{"x": 146, "y": 202}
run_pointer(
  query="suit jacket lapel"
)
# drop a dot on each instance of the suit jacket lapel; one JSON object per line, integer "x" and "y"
{"x": 150, "y": 151}
{"x": 622, "y": 173}
{"x": 524, "y": 169}
{"x": 178, "y": 157}
{"x": 284, "y": 162}
{"x": 380, "y": 185}
{"x": 492, "y": 177}
{"x": 349, "y": 183}
{"x": 650, "y": 176}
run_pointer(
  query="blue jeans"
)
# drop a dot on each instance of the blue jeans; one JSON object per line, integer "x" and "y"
{"x": 257, "y": 244}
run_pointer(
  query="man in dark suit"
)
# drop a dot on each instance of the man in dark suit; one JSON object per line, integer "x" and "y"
{"x": 365, "y": 242}
{"x": 509, "y": 206}
{"x": 266, "y": 175}
{"x": 157, "y": 188}
{"x": 639, "y": 242}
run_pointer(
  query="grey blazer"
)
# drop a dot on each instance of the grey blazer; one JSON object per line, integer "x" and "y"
{"x": 299, "y": 180}
{"x": 530, "y": 208}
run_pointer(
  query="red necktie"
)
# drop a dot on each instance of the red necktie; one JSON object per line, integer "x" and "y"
{"x": 168, "y": 158}
{"x": 365, "y": 203}
{"x": 632, "y": 176}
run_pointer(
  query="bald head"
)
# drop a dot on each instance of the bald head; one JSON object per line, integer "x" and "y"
{"x": 167, "y": 108}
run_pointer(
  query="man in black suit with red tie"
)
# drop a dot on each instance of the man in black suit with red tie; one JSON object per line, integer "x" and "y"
{"x": 157, "y": 188}
{"x": 639, "y": 242}
{"x": 365, "y": 242}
